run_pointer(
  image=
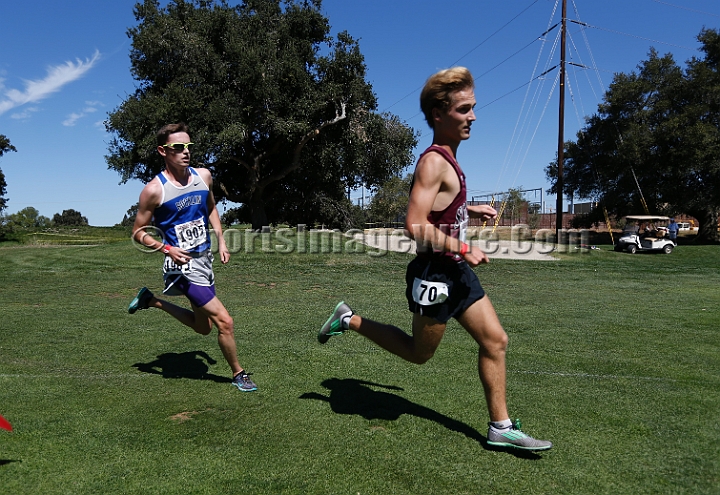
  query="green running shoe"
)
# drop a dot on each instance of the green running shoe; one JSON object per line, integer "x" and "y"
{"x": 243, "y": 382}
{"x": 333, "y": 326}
{"x": 141, "y": 300}
{"x": 513, "y": 437}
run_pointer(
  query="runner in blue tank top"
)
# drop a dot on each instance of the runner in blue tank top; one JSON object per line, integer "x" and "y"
{"x": 182, "y": 205}
{"x": 440, "y": 281}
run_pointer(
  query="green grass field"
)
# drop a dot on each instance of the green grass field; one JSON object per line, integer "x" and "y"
{"x": 613, "y": 357}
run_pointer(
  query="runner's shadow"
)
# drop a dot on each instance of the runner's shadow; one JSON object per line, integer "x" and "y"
{"x": 351, "y": 396}
{"x": 182, "y": 365}
{"x": 7, "y": 461}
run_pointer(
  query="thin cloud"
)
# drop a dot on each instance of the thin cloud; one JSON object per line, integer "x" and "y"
{"x": 25, "y": 114}
{"x": 57, "y": 77}
{"x": 74, "y": 117}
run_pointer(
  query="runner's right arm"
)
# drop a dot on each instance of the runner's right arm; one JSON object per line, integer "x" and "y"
{"x": 428, "y": 180}
{"x": 149, "y": 200}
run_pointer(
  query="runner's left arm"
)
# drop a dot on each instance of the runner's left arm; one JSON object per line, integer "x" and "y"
{"x": 483, "y": 212}
{"x": 214, "y": 218}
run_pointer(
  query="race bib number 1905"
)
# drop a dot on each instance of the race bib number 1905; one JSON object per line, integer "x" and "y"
{"x": 191, "y": 234}
{"x": 427, "y": 293}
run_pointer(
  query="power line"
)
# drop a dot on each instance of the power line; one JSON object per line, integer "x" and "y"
{"x": 468, "y": 53}
{"x": 516, "y": 89}
{"x": 497, "y": 31}
{"x": 487, "y": 72}
{"x": 686, "y": 8}
{"x": 508, "y": 58}
{"x": 630, "y": 35}
{"x": 584, "y": 24}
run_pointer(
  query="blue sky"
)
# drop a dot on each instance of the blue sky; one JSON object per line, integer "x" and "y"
{"x": 65, "y": 65}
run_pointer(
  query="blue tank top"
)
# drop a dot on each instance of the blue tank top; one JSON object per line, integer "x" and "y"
{"x": 183, "y": 213}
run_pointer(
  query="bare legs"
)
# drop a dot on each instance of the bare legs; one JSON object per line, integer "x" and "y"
{"x": 417, "y": 348}
{"x": 201, "y": 320}
{"x": 480, "y": 321}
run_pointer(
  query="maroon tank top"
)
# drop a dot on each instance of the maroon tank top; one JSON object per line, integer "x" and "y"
{"x": 453, "y": 220}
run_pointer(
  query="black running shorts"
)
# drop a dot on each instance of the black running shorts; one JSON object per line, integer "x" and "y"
{"x": 440, "y": 287}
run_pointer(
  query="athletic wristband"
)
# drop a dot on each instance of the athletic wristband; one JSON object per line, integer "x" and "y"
{"x": 166, "y": 249}
{"x": 464, "y": 249}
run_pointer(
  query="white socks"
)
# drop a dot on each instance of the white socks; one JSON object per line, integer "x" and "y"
{"x": 501, "y": 426}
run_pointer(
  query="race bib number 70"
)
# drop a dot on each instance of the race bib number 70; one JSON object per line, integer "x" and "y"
{"x": 427, "y": 293}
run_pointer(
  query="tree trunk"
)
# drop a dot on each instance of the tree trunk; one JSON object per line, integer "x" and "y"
{"x": 258, "y": 215}
{"x": 707, "y": 225}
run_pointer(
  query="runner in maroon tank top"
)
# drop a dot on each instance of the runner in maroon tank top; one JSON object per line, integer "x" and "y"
{"x": 440, "y": 281}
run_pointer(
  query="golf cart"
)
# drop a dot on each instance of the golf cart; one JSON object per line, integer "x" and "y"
{"x": 645, "y": 233}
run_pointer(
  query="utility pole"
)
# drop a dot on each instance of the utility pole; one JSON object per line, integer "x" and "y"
{"x": 561, "y": 127}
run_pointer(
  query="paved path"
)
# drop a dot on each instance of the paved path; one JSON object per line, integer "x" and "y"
{"x": 395, "y": 240}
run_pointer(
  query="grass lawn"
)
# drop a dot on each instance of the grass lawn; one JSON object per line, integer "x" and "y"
{"x": 613, "y": 357}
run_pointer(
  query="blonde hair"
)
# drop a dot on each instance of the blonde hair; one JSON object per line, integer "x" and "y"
{"x": 439, "y": 88}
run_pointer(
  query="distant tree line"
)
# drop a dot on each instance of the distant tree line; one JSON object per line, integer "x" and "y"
{"x": 30, "y": 217}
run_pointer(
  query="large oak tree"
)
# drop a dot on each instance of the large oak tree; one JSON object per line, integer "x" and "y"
{"x": 281, "y": 112}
